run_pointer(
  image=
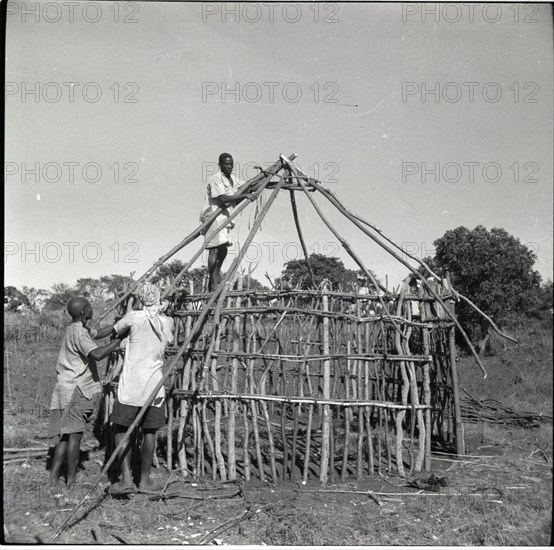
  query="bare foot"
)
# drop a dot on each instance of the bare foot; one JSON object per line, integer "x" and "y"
{"x": 149, "y": 485}
{"x": 146, "y": 485}
{"x": 54, "y": 481}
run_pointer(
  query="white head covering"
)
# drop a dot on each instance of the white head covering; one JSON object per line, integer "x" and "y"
{"x": 149, "y": 294}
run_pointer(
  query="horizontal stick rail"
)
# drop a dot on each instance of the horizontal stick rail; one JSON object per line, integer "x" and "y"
{"x": 303, "y": 358}
{"x": 292, "y": 400}
{"x": 269, "y": 294}
{"x": 314, "y": 312}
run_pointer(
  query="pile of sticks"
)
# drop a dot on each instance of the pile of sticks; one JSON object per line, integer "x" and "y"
{"x": 494, "y": 412}
{"x": 22, "y": 454}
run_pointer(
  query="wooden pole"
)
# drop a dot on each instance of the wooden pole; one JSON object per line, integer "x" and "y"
{"x": 342, "y": 209}
{"x": 308, "y": 443}
{"x": 204, "y": 434}
{"x": 404, "y": 393}
{"x": 217, "y": 420}
{"x": 427, "y": 401}
{"x": 170, "y": 413}
{"x": 300, "y": 236}
{"x": 294, "y": 439}
{"x": 458, "y": 424}
{"x": 346, "y": 414}
{"x": 417, "y": 414}
{"x": 359, "y": 390}
{"x": 284, "y": 466}
{"x": 384, "y": 387}
{"x": 218, "y": 295}
{"x": 231, "y": 425}
{"x": 270, "y": 441}
{"x": 325, "y": 429}
{"x": 255, "y": 183}
{"x": 331, "y": 446}
{"x": 183, "y": 404}
{"x": 371, "y": 463}
{"x": 253, "y": 405}
{"x": 246, "y": 444}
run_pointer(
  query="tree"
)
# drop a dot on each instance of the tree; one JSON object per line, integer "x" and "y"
{"x": 60, "y": 294}
{"x": 91, "y": 289}
{"x": 14, "y": 299}
{"x": 37, "y": 297}
{"x": 323, "y": 267}
{"x": 493, "y": 269}
{"x": 166, "y": 273}
{"x": 114, "y": 285}
{"x": 544, "y": 308}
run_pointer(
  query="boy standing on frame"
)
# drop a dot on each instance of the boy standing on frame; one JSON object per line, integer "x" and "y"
{"x": 222, "y": 191}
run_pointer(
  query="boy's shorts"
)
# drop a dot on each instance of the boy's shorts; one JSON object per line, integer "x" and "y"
{"x": 77, "y": 417}
{"x": 223, "y": 237}
{"x": 125, "y": 415}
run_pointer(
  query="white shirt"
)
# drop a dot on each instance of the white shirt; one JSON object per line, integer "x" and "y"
{"x": 218, "y": 185}
{"x": 144, "y": 355}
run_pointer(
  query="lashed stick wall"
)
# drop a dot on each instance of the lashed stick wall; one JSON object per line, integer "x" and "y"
{"x": 294, "y": 385}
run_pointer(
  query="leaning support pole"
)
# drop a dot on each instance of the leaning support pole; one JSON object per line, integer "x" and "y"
{"x": 300, "y": 236}
{"x": 235, "y": 213}
{"x": 406, "y": 264}
{"x": 422, "y": 264}
{"x": 187, "y": 240}
{"x": 196, "y": 328}
{"x": 253, "y": 183}
{"x": 218, "y": 295}
{"x": 221, "y": 291}
{"x": 349, "y": 250}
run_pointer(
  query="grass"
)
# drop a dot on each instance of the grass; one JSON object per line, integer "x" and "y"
{"x": 519, "y": 375}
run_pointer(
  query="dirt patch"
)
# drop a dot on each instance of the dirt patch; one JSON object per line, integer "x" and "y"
{"x": 500, "y": 500}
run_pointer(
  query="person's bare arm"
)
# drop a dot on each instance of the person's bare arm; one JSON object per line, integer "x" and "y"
{"x": 102, "y": 332}
{"x": 233, "y": 199}
{"x": 101, "y": 352}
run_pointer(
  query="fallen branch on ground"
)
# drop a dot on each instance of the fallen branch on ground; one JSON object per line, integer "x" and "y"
{"x": 230, "y": 523}
{"x": 369, "y": 494}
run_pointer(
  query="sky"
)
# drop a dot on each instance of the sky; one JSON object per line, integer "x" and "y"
{"x": 420, "y": 122}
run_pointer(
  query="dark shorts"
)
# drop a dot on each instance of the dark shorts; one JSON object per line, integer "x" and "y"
{"x": 125, "y": 415}
{"x": 77, "y": 417}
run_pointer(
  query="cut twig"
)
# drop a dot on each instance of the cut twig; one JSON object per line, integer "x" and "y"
{"x": 118, "y": 537}
{"x": 230, "y": 523}
{"x": 98, "y": 534}
{"x": 370, "y": 494}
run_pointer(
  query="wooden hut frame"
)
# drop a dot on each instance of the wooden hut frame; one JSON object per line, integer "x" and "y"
{"x": 292, "y": 384}
{"x": 301, "y": 383}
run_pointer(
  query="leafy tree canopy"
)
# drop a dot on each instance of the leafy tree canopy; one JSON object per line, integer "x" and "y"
{"x": 14, "y": 298}
{"x": 323, "y": 267}
{"x": 492, "y": 268}
{"x": 167, "y": 272}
